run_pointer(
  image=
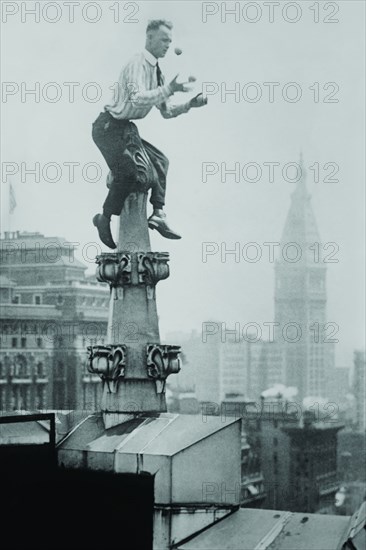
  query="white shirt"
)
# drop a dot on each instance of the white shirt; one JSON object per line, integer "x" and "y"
{"x": 138, "y": 91}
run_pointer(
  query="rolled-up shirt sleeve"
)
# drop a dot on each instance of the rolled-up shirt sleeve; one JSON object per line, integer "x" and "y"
{"x": 133, "y": 82}
{"x": 137, "y": 92}
{"x": 169, "y": 110}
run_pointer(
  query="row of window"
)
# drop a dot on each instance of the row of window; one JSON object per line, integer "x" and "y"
{"x": 85, "y": 301}
{"x": 21, "y": 397}
{"x": 22, "y": 369}
{"x": 37, "y": 299}
{"x": 22, "y": 342}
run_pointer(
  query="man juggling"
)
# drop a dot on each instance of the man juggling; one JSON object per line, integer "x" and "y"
{"x": 142, "y": 86}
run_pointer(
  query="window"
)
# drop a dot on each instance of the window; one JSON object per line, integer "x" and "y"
{"x": 23, "y": 342}
{"x": 14, "y": 342}
{"x": 23, "y": 397}
{"x": 40, "y": 396}
{"x": 16, "y": 299}
{"x": 37, "y": 299}
{"x": 40, "y": 370}
{"x": 2, "y": 399}
{"x": 39, "y": 342}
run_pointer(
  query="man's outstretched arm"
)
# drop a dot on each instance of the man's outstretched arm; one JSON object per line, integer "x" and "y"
{"x": 170, "y": 111}
{"x": 133, "y": 81}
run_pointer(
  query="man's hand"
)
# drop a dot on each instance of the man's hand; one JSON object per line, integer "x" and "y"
{"x": 198, "y": 101}
{"x": 179, "y": 86}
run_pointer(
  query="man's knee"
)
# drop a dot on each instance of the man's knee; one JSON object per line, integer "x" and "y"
{"x": 165, "y": 163}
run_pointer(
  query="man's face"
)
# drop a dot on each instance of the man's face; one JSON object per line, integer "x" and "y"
{"x": 158, "y": 42}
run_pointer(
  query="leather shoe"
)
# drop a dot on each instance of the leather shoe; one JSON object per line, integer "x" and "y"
{"x": 103, "y": 225}
{"x": 158, "y": 222}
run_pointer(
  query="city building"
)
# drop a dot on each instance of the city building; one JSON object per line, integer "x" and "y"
{"x": 304, "y": 350}
{"x": 50, "y": 311}
{"x": 338, "y": 385}
{"x": 351, "y": 455}
{"x": 298, "y": 456}
{"x": 313, "y": 478}
{"x": 252, "y": 490}
{"x": 301, "y": 351}
{"x": 219, "y": 365}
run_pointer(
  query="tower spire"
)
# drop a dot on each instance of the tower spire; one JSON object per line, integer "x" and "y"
{"x": 301, "y": 225}
{"x": 300, "y": 295}
{"x": 301, "y": 191}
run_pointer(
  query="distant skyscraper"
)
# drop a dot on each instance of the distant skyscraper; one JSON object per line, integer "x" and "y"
{"x": 303, "y": 352}
{"x": 219, "y": 366}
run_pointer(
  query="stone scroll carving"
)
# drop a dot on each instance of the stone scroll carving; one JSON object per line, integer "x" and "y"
{"x": 162, "y": 360}
{"x": 145, "y": 173}
{"x": 108, "y": 362}
{"x": 116, "y": 269}
{"x": 152, "y": 267}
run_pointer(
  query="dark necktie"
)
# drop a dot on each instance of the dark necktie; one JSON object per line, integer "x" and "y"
{"x": 160, "y": 80}
{"x": 159, "y": 76}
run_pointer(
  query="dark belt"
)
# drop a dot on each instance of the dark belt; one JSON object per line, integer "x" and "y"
{"x": 117, "y": 121}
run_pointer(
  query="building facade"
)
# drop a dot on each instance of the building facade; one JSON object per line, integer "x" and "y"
{"x": 252, "y": 489}
{"x": 220, "y": 366}
{"x": 313, "y": 480}
{"x": 298, "y": 457}
{"x": 50, "y": 312}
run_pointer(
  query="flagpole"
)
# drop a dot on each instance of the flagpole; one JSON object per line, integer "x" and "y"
{"x": 12, "y": 205}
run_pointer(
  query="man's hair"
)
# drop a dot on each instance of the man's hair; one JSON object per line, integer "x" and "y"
{"x": 155, "y": 24}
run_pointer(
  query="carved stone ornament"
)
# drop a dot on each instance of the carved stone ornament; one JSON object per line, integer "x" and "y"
{"x": 145, "y": 174}
{"x": 162, "y": 360}
{"x": 114, "y": 268}
{"x": 108, "y": 362}
{"x": 152, "y": 267}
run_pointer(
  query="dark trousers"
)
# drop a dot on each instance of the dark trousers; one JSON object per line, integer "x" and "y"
{"x": 109, "y": 134}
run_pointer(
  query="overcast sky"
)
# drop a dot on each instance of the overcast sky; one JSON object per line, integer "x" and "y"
{"x": 230, "y": 129}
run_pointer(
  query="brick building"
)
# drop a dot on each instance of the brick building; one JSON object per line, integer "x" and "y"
{"x": 298, "y": 457}
{"x": 289, "y": 457}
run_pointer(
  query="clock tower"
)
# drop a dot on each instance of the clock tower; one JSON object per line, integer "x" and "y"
{"x": 300, "y": 299}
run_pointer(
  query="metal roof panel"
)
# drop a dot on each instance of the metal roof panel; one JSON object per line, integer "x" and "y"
{"x": 158, "y": 434}
{"x": 253, "y": 529}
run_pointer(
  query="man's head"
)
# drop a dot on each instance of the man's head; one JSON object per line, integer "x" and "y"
{"x": 158, "y": 37}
